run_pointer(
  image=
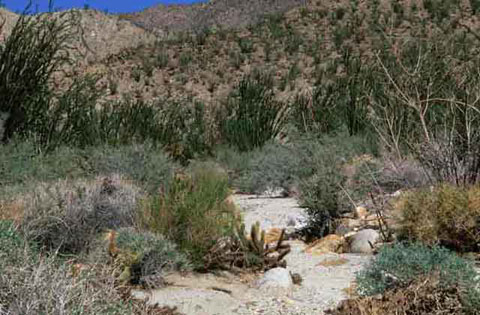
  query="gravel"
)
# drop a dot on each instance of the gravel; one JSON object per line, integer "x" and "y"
{"x": 325, "y": 277}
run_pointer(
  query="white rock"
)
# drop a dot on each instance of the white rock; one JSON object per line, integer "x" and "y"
{"x": 276, "y": 278}
{"x": 275, "y": 192}
{"x": 360, "y": 242}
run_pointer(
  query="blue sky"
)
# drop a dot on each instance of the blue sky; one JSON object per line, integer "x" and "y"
{"x": 113, "y": 6}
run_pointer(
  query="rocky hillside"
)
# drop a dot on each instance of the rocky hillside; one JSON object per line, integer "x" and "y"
{"x": 202, "y": 50}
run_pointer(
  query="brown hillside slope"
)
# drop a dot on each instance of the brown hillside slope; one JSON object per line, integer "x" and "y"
{"x": 103, "y": 34}
{"x": 297, "y": 47}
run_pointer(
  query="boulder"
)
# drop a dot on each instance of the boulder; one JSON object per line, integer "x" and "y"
{"x": 360, "y": 242}
{"x": 276, "y": 278}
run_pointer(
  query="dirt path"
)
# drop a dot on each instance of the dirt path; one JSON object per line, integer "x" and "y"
{"x": 324, "y": 276}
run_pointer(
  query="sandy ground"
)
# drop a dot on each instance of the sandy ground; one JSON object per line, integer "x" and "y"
{"x": 325, "y": 277}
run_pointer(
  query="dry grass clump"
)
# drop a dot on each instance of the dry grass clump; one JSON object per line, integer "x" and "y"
{"x": 65, "y": 216}
{"x": 424, "y": 296}
{"x": 34, "y": 284}
{"x": 446, "y": 215}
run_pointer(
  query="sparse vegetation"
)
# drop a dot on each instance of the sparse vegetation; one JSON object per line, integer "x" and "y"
{"x": 385, "y": 99}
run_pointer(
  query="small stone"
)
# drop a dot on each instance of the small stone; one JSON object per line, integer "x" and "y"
{"x": 360, "y": 242}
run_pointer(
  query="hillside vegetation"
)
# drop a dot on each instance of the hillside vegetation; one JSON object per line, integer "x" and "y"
{"x": 124, "y": 136}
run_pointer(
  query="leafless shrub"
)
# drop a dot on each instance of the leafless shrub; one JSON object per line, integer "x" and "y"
{"x": 65, "y": 216}
{"x": 427, "y": 101}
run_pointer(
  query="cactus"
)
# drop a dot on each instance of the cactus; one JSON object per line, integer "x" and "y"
{"x": 247, "y": 250}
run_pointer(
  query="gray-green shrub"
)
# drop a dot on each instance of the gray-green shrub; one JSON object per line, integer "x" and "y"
{"x": 155, "y": 254}
{"x": 272, "y": 166}
{"x": 322, "y": 194}
{"x": 400, "y": 265}
{"x": 22, "y": 167}
{"x": 65, "y": 217}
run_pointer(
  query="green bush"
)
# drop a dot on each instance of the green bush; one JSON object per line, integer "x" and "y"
{"x": 183, "y": 130}
{"x": 317, "y": 113}
{"x": 192, "y": 211}
{"x": 400, "y": 265}
{"x": 319, "y": 195}
{"x": 322, "y": 194}
{"x": 252, "y": 116}
{"x": 66, "y": 217}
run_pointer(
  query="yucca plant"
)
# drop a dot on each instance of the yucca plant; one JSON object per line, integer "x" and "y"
{"x": 252, "y": 116}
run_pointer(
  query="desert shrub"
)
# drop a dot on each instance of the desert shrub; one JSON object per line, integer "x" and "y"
{"x": 185, "y": 59}
{"x": 322, "y": 194}
{"x": 400, "y": 265}
{"x": 67, "y": 216}
{"x": 437, "y": 121}
{"x": 252, "y": 116}
{"x": 148, "y": 166}
{"x": 154, "y": 255}
{"x": 317, "y": 113}
{"x": 11, "y": 245}
{"x": 271, "y": 166}
{"x": 192, "y": 211}
{"x": 45, "y": 286}
{"x": 236, "y": 59}
{"x": 424, "y": 295}
{"x": 183, "y": 130}
{"x": 445, "y": 215}
{"x": 31, "y": 283}
{"x": 161, "y": 59}
{"x": 338, "y": 101}
{"x": 319, "y": 195}
{"x": 440, "y": 11}
{"x": 21, "y": 166}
